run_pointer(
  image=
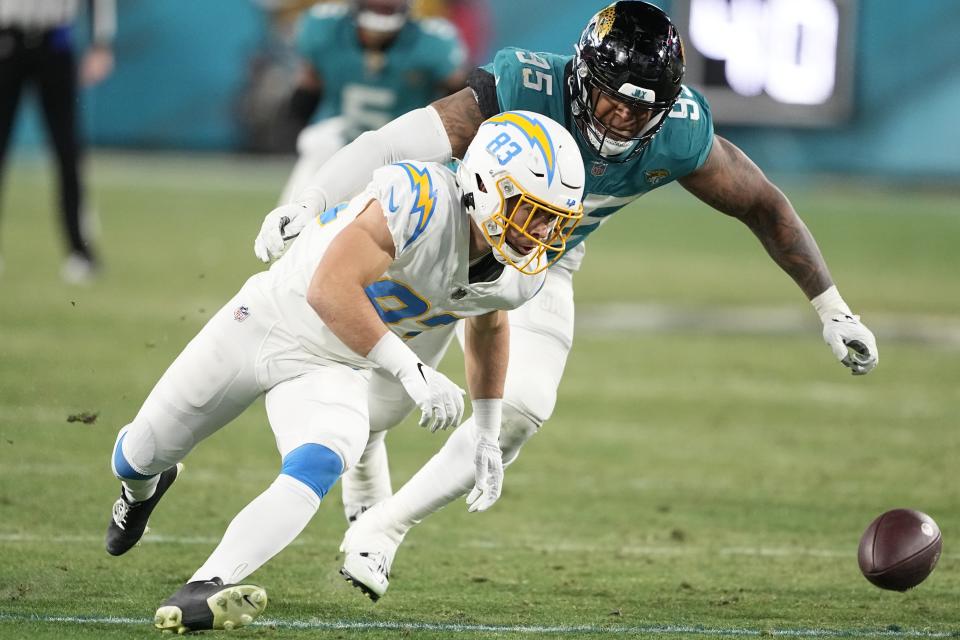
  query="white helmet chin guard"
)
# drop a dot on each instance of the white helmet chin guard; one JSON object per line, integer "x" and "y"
{"x": 522, "y": 179}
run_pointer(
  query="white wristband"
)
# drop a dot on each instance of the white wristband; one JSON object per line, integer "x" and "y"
{"x": 487, "y": 415}
{"x": 829, "y": 304}
{"x": 314, "y": 199}
{"x": 392, "y": 355}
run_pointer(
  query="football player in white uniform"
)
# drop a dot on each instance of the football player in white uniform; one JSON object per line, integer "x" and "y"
{"x": 367, "y": 283}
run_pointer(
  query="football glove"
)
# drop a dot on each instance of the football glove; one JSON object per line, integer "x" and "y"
{"x": 488, "y": 465}
{"x": 439, "y": 399}
{"x": 279, "y": 229}
{"x": 851, "y": 342}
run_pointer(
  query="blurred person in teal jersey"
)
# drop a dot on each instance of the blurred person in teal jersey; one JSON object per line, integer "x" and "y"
{"x": 364, "y": 64}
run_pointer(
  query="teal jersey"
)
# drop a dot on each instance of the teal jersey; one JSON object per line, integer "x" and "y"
{"x": 369, "y": 89}
{"x": 537, "y": 82}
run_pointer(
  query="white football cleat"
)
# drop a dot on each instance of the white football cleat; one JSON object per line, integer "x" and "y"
{"x": 369, "y": 551}
{"x": 368, "y": 571}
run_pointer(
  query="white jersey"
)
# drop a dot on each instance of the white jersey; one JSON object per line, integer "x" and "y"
{"x": 425, "y": 288}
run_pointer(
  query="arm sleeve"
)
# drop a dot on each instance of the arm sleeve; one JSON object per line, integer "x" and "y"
{"x": 484, "y": 87}
{"x": 691, "y": 133}
{"x": 417, "y": 135}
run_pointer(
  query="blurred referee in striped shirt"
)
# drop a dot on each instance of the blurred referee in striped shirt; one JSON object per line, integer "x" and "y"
{"x": 37, "y": 48}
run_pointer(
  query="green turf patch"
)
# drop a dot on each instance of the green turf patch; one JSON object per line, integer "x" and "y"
{"x": 690, "y": 483}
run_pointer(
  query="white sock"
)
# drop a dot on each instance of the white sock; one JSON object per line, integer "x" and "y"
{"x": 445, "y": 477}
{"x": 261, "y": 530}
{"x": 368, "y": 481}
{"x": 140, "y": 490}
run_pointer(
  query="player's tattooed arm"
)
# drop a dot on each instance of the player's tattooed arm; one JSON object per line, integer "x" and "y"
{"x": 461, "y": 117}
{"x": 732, "y": 184}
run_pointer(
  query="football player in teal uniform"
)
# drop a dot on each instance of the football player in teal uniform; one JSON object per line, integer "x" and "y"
{"x": 639, "y": 128}
{"x": 364, "y": 64}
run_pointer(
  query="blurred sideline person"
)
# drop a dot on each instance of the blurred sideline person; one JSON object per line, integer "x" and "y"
{"x": 36, "y": 47}
{"x": 417, "y": 250}
{"x": 638, "y": 128}
{"x": 367, "y": 63}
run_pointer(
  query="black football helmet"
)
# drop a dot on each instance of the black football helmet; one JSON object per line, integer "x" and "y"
{"x": 632, "y": 53}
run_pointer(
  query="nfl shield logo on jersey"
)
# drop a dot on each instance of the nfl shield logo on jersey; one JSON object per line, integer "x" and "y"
{"x": 241, "y": 313}
{"x": 598, "y": 169}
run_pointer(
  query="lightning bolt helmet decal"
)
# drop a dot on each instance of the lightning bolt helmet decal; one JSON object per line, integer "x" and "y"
{"x": 536, "y": 133}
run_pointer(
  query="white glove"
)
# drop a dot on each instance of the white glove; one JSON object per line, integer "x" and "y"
{"x": 279, "y": 229}
{"x": 851, "y": 342}
{"x": 488, "y": 459}
{"x": 439, "y": 399}
{"x": 488, "y": 463}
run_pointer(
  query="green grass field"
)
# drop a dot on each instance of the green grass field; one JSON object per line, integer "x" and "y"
{"x": 693, "y": 482}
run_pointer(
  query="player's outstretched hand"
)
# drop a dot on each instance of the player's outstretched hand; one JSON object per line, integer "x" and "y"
{"x": 488, "y": 462}
{"x": 851, "y": 342}
{"x": 279, "y": 228}
{"x": 439, "y": 399}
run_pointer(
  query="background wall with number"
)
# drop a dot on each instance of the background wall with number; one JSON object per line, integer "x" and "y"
{"x": 186, "y": 84}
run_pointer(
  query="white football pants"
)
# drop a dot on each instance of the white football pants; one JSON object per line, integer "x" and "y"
{"x": 241, "y": 353}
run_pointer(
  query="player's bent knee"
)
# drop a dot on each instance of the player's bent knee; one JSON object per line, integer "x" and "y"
{"x": 517, "y": 427}
{"x": 529, "y": 400}
{"x": 315, "y": 466}
{"x": 120, "y": 461}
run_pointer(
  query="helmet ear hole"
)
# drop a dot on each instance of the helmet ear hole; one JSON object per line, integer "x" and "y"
{"x": 482, "y": 187}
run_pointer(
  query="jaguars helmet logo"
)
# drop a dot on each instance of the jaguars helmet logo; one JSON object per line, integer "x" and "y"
{"x": 605, "y": 21}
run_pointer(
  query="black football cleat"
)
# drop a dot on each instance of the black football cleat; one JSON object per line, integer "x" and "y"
{"x": 210, "y": 604}
{"x": 129, "y": 519}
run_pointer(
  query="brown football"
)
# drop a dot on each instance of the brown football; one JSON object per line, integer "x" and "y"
{"x": 899, "y": 549}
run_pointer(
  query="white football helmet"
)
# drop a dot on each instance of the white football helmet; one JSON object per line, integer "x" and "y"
{"x": 522, "y": 179}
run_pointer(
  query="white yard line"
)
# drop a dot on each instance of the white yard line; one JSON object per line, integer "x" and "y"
{"x": 684, "y": 549}
{"x": 659, "y": 318}
{"x": 441, "y": 627}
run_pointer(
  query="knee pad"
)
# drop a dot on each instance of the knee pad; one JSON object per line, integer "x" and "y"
{"x": 517, "y": 428}
{"x": 121, "y": 466}
{"x": 315, "y": 466}
{"x": 143, "y": 450}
